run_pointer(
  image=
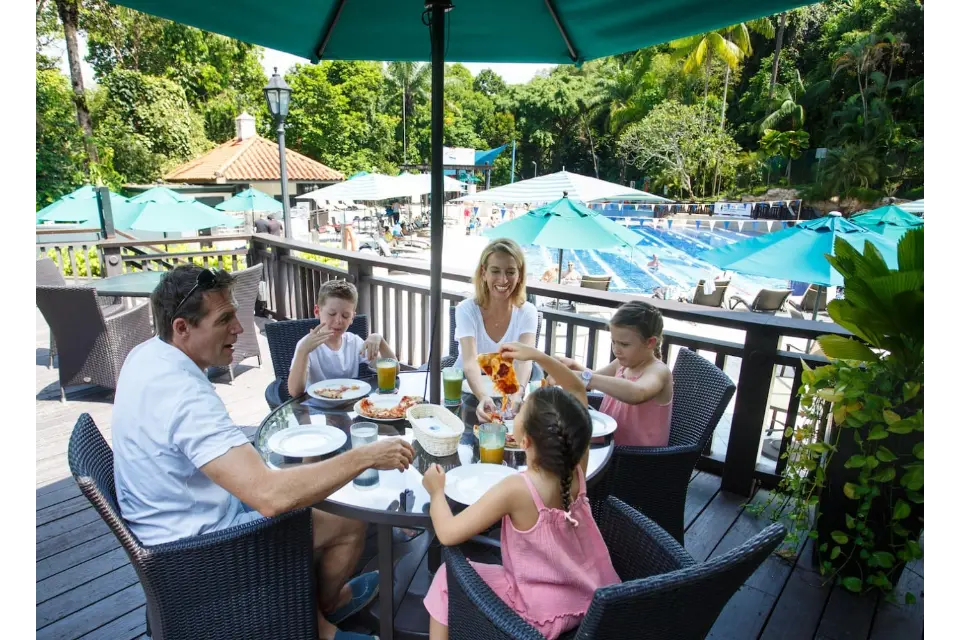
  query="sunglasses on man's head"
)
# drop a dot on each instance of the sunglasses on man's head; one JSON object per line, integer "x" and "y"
{"x": 205, "y": 280}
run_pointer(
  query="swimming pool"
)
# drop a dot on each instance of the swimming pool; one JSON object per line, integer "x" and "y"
{"x": 677, "y": 248}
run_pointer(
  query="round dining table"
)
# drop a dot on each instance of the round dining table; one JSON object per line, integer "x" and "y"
{"x": 399, "y": 501}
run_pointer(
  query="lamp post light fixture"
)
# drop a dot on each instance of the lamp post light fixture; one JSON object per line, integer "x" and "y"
{"x": 277, "y": 93}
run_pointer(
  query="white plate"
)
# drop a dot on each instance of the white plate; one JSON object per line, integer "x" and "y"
{"x": 603, "y": 425}
{"x": 466, "y": 484}
{"x": 486, "y": 384}
{"x": 385, "y": 401}
{"x": 355, "y": 394}
{"x": 307, "y": 441}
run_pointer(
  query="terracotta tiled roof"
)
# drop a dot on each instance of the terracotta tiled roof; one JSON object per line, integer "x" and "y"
{"x": 255, "y": 158}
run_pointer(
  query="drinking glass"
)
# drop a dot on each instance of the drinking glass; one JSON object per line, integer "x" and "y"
{"x": 493, "y": 438}
{"x": 387, "y": 375}
{"x": 452, "y": 386}
{"x": 364, "y": 433}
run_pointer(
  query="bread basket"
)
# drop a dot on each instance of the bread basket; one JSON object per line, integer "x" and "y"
{"x": 435, "y": 428}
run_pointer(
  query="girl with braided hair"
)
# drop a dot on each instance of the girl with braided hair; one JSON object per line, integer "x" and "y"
{"x": 554, "y": 557}
{"x": 638, "y": 385}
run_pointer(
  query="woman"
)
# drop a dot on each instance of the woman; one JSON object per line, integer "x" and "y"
{"x": 497, "y": 314}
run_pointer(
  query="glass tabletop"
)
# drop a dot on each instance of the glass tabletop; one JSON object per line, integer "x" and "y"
{"x": 135, "y": 284}
{"x": 400, "y": 498}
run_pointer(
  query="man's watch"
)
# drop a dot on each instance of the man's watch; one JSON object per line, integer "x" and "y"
{"x": 586, "y": 375}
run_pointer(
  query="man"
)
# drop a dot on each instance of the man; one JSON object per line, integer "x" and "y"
{"x": 274, "y": 227}
{"x": 260, "y": 226}
{"x": 182, "y": 468}
{"x": 571, "y": 276}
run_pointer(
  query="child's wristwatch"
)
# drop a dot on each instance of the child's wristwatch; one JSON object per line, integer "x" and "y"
{"x": 586, "y": 375}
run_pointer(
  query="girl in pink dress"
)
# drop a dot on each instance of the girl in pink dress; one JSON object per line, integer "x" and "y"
{"x": 638, "y": 385}
{"x": 554, "y": 557}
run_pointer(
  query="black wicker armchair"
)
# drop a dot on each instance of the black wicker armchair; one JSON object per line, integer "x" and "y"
{"x": 91, "y": 347}
{"x": 282, "y": 338}
{"x": 251, "y": 581}
{"x": 654, "y": 479}
{"x": 665, "y": 594}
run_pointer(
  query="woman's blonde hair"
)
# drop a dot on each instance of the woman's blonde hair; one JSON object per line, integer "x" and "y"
{"x": 512, "y": 249}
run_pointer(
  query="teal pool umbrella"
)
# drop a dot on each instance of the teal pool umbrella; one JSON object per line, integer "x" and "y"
{"x": 166, "y": 211}
{"x": 890, "y": 221}
{"x": 78, "y": 207}
{"x": 553, "y": 31}
{"x": 797, "y": 253}
{"x": 359, "y": 174}
{"x": 251, "y": 200}
{"x": 565, "y": 224}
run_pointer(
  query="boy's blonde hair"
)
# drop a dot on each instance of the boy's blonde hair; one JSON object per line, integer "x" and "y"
{"x": 336, "y": 289}
{"x": 512, "y": 249}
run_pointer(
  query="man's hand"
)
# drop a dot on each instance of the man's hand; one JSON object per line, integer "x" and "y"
{"x": 389, "y": 454}
{"x": 371, "y": 347}
{"x": 317, "y": 336}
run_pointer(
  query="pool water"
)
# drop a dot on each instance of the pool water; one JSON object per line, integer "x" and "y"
{"x": 678, "y": 250}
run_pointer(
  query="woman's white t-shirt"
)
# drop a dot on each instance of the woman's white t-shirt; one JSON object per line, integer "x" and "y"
{"x": 470, "y": 325}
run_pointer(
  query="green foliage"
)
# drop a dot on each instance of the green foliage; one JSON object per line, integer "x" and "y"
{"x": 147, "y": 123}
{"x": 81, "y": 258}
{"x": 60, "y": 149}
{"x": 873, "y": 391}
{"x": 786, "y": 144}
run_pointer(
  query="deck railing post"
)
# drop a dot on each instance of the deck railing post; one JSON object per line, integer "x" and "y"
{"x": 112, "y": 261}
{"x": 280, "y": 282}
{"x": 749, "y": 409}
{"x": 361, "y": 272}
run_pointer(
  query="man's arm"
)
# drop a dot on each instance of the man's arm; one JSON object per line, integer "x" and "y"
{"x": 271, "y": 492}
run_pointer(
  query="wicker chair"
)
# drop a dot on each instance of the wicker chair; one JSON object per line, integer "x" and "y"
{"x": 665, "y": 594}
{"x": 246, "y": 286}
{"x": 654, "y": 479}
{"x": 255, "y": 580}
{"x": 92, "y": 347}
{"x": 282, "y": 338}
{"x": 48, "y": 275}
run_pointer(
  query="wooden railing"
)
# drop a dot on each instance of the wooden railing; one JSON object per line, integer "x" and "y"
{"x": 398, "y": 309}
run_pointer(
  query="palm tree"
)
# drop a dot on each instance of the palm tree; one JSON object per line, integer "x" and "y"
{"x": 781, "y": 27}
{"x": 408, "y": 81}
{"x": 698, "y": 51}
{"x": 849, "y": 166}
{"x": 785, "y": 104}
{"x": 862, "y": 58}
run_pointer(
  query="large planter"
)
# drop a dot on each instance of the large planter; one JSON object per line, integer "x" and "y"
{"x": 834, "y": 506}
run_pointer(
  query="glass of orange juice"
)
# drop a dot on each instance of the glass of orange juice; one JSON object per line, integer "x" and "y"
{"x": 493, "y": 438}
{"x": 387, "y": 375}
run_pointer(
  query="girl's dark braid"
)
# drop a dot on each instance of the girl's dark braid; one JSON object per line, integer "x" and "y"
{"x": 566, "y": 478}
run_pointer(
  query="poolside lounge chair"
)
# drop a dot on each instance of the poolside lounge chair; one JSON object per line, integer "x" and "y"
{"x": 808, "y": 301}
{"x": 600, "y": 283}
{"x": 766, "y": 301}
{"x": 665, "y": 593}
{"x": 714, "y": 299}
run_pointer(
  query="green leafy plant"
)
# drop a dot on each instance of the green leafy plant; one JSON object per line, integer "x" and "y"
{"x": 858, "y": 493}
{"x": 81, "y": 258}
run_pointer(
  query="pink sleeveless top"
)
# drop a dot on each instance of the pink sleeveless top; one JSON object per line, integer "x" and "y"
{"x": 639, "y": 425}
{"x": 553, "y": 568}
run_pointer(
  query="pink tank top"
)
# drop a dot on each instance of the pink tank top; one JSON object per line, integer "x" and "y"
{"x": 553, "y": 568}
{"x": 639, "y": 425}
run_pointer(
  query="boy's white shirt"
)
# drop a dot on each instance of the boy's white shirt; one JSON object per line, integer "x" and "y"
{"x": 323, "y": 363}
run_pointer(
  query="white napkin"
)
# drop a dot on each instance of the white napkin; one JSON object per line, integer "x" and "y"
{"x": 708, "y": 286}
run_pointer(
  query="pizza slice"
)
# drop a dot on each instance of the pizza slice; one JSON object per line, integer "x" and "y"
{"x": 501, "y": 372}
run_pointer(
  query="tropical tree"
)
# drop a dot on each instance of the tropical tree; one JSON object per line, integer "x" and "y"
{"x": 60, "y": 152}
{"x": 861, "y": 59}
{"x": 69, "y": 12}
{"x": 852, "y": 165}
{"x": 786, "y": 144}
{"x": 408, "y": 82}
{"x": 785, "y": 105}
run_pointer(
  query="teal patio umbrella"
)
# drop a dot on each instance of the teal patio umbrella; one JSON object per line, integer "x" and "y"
{"x": 163, "y": 210}
{"x": 251, "y": 200}
{"x": 551, "y": 31}
{"x": 78, "y": 207}
{"x": 565, "y": 224}
{"x": 797, "y": 253}
{"x": 890, "y": 221}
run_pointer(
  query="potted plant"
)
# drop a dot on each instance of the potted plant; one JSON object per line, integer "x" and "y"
{"x": 856, "y": 488}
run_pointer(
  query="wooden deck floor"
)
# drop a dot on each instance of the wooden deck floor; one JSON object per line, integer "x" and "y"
{"x": 87, "y": 589}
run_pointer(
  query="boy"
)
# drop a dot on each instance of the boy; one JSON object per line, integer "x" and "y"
{"x": 329, "y": 350}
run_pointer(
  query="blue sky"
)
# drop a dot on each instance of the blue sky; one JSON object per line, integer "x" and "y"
{"x": 511, "y": 73}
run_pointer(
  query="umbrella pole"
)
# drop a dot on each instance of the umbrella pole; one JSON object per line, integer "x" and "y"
{"x": 437, "y": 9}
{"x": 556, "y": 301}
{"x": 816, "y": 307}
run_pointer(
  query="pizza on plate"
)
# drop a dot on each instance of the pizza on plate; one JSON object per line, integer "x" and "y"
{"x": 335, "y": 393}
{"x": 369, "y": 410}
